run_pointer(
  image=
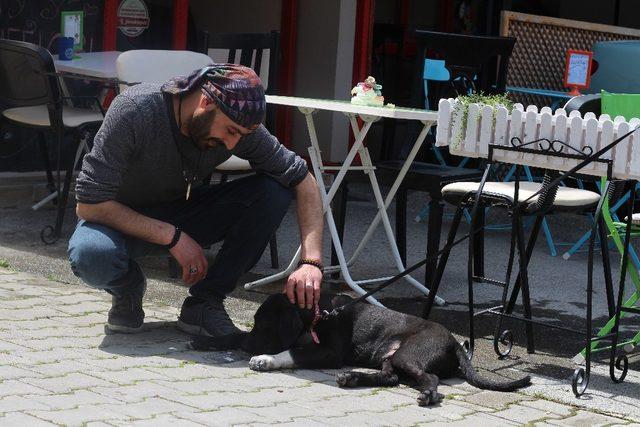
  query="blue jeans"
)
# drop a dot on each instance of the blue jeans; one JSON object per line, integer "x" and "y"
{"x": 243, "y": 213}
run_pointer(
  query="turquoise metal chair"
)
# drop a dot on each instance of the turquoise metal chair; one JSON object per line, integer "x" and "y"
{"x": 436, "y": 71}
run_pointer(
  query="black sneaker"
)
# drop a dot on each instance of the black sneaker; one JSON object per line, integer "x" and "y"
{"x": 126, "y": 315}
{"x": 207, "y": 318}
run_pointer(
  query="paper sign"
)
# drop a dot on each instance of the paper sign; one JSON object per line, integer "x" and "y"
{"x": 578, "y": 69}
{"x": 71, "y": 24}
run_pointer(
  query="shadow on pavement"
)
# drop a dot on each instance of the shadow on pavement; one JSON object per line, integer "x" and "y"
{"x": 163, "y": 339}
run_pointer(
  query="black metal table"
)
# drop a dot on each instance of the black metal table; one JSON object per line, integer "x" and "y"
{"x": 429, "y": 178}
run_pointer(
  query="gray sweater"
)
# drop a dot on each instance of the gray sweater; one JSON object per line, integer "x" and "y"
{"x": 135, "y": 158}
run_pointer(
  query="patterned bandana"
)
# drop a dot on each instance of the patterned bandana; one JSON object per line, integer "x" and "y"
{"x": 235, "y": 89}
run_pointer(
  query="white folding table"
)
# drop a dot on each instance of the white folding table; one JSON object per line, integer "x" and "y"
{"x": 368, "y": 115}
{"x": 94, "y": 66}
{"x": 100, "y": 66}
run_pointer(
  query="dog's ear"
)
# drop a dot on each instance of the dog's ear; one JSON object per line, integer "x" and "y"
{"x": 290, "y": 326}
{"x": 278, "y": 300}
{"x": 273, "y": 303}
{"x": 340, "y": 300}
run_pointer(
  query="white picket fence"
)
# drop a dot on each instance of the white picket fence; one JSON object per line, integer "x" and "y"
{"x": 488, "y": 125}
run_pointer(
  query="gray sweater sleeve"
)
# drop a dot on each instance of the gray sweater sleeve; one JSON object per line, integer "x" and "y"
{"x": 265, "y": 153}
{"x": 114, "y": 145}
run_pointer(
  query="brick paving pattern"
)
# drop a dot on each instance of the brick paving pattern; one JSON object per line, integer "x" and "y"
{"x": 57, "y": 367}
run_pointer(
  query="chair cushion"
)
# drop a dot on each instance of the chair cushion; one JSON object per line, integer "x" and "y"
{"x": 635, "y": 219}
{"x": 566, "y": 197}
{"x": 426, "y": 176}
{"x": 38, "y": 115}
{"x": 234, "y": 163}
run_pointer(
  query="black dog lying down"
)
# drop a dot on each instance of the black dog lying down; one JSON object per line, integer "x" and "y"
{"x": 401, "y": 345}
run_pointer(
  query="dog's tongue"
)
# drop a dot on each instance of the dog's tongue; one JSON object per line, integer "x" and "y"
{"x": 315, "y": 336}
{"x": 316, "y": 319}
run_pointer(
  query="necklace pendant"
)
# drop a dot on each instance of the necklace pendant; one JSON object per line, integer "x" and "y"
{"x": 188, "y": 191}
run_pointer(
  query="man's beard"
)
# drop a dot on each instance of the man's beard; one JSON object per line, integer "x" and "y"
{"x": 199, "y": 129}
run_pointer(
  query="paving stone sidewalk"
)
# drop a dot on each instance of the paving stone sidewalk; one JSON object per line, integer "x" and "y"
{"x": 57, "y": 367}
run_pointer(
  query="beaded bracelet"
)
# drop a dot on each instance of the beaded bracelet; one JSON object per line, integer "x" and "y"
{"x": 174, "y": 241}
{"x": 310, "y": 261}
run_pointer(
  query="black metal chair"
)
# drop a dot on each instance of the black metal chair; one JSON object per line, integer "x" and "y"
{"x": 390, "y": 70}
{"x": 518, "y": 198}
{"x": 249, "y": 49}
{"x": 428, "y": 178}
{"x": 30, "y": 88}
{"x": 584, "y": 104}
{"x": 475, "y": 63}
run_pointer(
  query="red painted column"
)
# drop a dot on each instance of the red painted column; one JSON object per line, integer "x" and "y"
{"x": 404, "y": 12}
{"x": 404, "y": 21}
{"x": 365, "y": 11}
{"x": 446, "y": 16}
{"x": 180, "y": 22}
{"x": 362, "y": 47}
{"x": 109, "y": 31}
{"x": 110, "y": 25}
{"x": 288, "y": 38}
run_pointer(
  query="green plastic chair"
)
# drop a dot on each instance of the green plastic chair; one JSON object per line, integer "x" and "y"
{"x": 628, "y": 106}
{"x": 616, "y": 232}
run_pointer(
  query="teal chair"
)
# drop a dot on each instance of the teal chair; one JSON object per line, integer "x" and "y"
{"x": 435, "y": 70}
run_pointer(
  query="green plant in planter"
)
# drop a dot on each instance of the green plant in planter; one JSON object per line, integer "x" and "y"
{"x": 462, "y": 109}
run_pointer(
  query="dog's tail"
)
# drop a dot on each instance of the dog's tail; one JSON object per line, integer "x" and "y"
{"x": 476, "y": 380}
{"x": 226, "y": 342}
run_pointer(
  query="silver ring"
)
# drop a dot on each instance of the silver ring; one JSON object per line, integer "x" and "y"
{"x": 193, "y": 270}
{"x": 308, "y": 285}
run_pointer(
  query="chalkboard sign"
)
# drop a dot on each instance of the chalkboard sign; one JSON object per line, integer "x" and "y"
{"x": 38, "y": 21}
{"x": 578, "y": 69}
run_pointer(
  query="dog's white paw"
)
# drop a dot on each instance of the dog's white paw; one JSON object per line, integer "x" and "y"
{"x": 264, "y": 362}
{"x": 429, "y": 397}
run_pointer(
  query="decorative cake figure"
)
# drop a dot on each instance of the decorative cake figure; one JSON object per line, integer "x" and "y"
{"x": 367, "y": 93}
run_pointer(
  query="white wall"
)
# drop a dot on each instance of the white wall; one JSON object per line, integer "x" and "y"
{"x": 324, "y": 55}
{"x": 324, "y": 60}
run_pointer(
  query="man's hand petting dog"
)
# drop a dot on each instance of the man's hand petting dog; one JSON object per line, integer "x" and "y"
{"x": 304, "y": 285}
{"x": 402, "y": 347}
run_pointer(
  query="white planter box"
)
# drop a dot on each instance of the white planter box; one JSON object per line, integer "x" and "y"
{"x": 488, "y": 125}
